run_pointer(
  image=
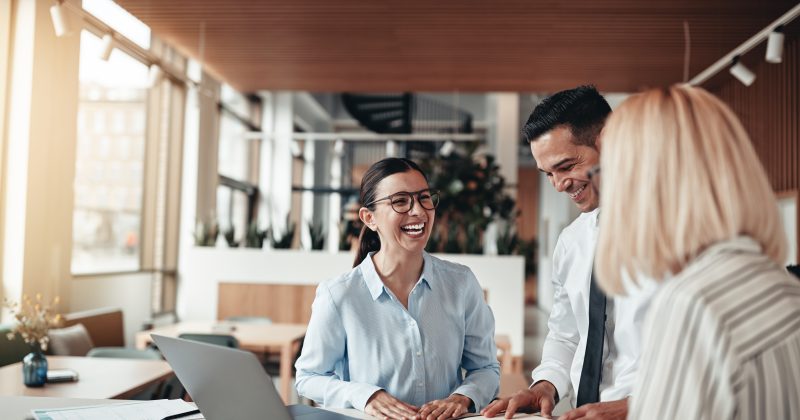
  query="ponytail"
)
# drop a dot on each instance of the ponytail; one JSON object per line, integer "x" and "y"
{"x": 368, "y": 241}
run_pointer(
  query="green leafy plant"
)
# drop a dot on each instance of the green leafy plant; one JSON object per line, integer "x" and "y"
{"x": 284, "y": 240}
{"x": 230, "y": 237}
{"x": 317, "y": 232}
{"x": 205, "y": 233}
{"x": 255, "y": 236}
{"x": 472, "y": 194}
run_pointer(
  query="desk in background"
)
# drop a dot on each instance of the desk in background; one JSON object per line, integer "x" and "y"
{"x": 258, "y": 338}
{"x": 97, "y": 378}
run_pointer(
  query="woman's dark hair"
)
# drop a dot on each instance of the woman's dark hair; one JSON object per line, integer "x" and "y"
{"x": 368, "y": 240}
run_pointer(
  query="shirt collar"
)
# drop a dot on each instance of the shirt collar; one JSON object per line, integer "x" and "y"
{"x": 374, "y": 282}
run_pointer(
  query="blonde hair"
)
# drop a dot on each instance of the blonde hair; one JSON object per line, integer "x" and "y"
{"x": 679, "y": 174}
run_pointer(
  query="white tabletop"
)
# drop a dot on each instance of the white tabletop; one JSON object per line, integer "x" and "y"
{"x": 19, "y": 408}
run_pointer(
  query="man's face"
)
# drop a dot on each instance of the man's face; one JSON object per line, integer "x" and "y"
{"x": 566, "y": 164}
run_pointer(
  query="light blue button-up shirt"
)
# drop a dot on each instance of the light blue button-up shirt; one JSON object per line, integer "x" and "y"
{"x": 361, "y": 339}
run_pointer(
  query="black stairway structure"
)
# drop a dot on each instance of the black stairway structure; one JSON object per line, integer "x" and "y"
{"x": 407, "y": 113}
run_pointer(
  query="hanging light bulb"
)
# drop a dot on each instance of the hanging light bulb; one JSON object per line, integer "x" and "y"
{"x": 741, "y": 72}
{"x": 106, "y": 47}
{"x": 60, "y": 20}
{"x": 775, "y": 46}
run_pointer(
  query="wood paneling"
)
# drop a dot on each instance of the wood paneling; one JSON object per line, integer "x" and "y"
{"x": 769, "y": 110}
{"x": 285, "y": 303}
{"x": 445, "y": 45}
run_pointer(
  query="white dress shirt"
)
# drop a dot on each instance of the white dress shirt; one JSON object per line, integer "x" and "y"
{"x": 564, "y": 347}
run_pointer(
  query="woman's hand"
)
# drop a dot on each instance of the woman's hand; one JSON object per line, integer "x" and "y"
{"x": 452, "y": 406}
{"x": 384, "y": 406}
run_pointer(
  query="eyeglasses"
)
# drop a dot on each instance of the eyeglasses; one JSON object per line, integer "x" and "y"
{"x": 403, "y": 201}
{"x": 594, "y": 177}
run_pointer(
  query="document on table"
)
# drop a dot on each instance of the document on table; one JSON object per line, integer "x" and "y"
{"x": 132, "y": 410}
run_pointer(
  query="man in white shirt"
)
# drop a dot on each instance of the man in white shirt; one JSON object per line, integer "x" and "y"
{"x": 592, "y": 348}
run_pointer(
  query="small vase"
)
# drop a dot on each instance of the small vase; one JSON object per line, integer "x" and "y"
{"x": 34, "y": 368}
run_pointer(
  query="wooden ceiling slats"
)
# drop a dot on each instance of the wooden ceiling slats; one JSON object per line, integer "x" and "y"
{"x": 353, "y": 45}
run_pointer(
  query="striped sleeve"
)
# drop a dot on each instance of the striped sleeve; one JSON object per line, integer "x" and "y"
{"x": 685, "y": 360}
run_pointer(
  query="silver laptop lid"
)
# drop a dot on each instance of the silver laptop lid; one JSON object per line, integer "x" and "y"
{"x": 226, "y": 384}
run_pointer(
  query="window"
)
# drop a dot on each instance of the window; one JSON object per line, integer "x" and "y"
{"x": 238, "y": 164}
{"x": 110, "y": 160}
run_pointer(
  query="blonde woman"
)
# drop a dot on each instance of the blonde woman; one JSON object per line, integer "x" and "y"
{"x": 688, "y": 202}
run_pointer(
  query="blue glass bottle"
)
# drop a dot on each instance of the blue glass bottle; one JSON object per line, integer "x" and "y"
{"x": 34, "y": 368}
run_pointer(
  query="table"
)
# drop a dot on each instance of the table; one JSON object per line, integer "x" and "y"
{"x": 18, "y": 408}
{"x": 97, "y": 378}
{"x": 258, "y": 338}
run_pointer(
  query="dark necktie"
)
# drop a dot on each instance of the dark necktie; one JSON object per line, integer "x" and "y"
{"x": 589, "y": 386}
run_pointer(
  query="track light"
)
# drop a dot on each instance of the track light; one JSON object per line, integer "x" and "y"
{"x": 739, "y": 71}
{"x": 775, "y": 45}
{"x": 156, "y": 75}
{"x": 447, "y": 148}
{"x": 106, "y": 47}
{"x": 60, "y": 20}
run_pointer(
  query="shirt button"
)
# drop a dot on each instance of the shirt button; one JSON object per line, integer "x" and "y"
{"x": 410, "y": 324}
{"x": 419, "y": 353}
{"x": 420, "y": 383}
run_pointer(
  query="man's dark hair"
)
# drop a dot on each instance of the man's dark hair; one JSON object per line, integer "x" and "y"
{"x": 582, "y": 109}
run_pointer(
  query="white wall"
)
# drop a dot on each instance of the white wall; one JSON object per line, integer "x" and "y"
{"x": 132, "y": 293}
{"x": 556, "y": 212}
{"x": 202, "y": 269}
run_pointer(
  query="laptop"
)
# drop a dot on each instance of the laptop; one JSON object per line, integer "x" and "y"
{"x": 231, "y": 384}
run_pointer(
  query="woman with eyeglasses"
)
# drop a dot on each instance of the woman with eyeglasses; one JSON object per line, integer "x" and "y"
{"x": 393, "y": 336}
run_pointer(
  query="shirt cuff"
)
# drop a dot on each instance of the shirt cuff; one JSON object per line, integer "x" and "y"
{"x": 473, "y": 394}
{"x": 558, "y": 379}
{"x": 360, "y": 393}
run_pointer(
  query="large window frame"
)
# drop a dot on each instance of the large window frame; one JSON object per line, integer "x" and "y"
{"x": 163, "y": 157}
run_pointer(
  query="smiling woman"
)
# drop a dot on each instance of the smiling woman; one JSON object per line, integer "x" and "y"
{"x": 394, "y": 336}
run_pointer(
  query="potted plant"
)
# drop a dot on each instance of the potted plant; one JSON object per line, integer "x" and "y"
{"x": 34, "y": 320}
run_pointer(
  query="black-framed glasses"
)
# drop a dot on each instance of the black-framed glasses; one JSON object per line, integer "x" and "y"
{"x": 403, "y": 201}
{"x": 594, "y": 178}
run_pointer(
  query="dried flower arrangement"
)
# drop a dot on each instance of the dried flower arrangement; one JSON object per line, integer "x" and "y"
{"x": 34, "y": 319}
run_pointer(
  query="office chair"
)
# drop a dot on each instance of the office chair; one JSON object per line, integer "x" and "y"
{"x": 217, "y": 339}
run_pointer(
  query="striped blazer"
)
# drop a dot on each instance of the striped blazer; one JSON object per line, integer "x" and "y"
{"x": 722, "y": 340}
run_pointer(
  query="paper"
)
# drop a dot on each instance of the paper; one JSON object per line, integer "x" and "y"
{"x": 133, "y": 410}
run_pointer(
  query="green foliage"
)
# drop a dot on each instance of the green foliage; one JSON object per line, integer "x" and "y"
{"x": 255, "y": 237}
{"x": 230, "y": 238}
{"x": 205, "y": 233}
{"x": 284, "y": 240}
{"x": 317, "y": 232}
{"x": 471, "y": 196}
{"x": 509, "y": 243}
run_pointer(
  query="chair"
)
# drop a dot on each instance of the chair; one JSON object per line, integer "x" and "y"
{"x": 124, "y": 353}
{"x": 217, "y": 339}
{"x": 11, "y": 351}
{"x": 70, "y": 341}
{"x": 249, "y": 319}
